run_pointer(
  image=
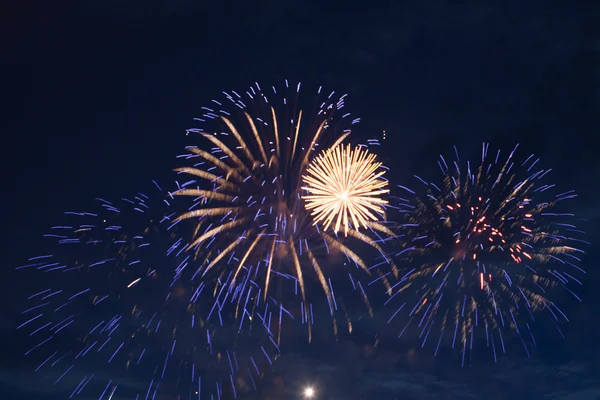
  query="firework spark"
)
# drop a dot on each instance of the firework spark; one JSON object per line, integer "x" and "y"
{"x": 344, "y": 185}
{"x": 250, "y": 219}
{"x": 484, "y": 249}
{"x": 119, "y": 302}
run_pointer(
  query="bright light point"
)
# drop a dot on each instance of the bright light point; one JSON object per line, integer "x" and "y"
{"x": 309, "y": 392}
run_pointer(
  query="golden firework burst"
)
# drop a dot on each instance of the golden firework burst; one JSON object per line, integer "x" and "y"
{"x": 249, "y": 219}
{"x": 345, "y": 185}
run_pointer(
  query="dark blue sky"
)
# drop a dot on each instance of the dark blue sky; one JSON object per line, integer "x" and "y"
{"x": 98, "y": 95}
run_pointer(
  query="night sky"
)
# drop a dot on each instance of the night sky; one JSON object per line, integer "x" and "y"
{"x": 99, "y": 94}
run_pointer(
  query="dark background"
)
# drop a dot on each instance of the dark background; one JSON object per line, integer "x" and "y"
{"x": 98, "y": 96}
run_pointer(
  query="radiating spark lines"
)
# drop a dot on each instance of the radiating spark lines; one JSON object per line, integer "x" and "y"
{"x": 344, "y": 185}
{"x": 120, "y": 300}
{"x": 484, "y": 249}
{"x": 249, "y": 215}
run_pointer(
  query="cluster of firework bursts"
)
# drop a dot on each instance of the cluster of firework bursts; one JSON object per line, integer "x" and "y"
{"x": 274, "y": 215}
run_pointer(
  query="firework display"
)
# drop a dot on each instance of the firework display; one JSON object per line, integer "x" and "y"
{"x": 273, "y": 218}
{"x": 344, "y": 185}
{"x": 482, "y": 251}
{"x": 249, "y": 213}
{"x": 122, "y": 313}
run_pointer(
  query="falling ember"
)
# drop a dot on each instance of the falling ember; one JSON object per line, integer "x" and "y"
{"x": 497, "y": 220}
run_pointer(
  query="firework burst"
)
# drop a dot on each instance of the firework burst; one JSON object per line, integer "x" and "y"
{"x": 118, "y": 304}
{"x": 484, "y": 249}
{"x": 344, "y": 185}
{"x": 251, "y": 223}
